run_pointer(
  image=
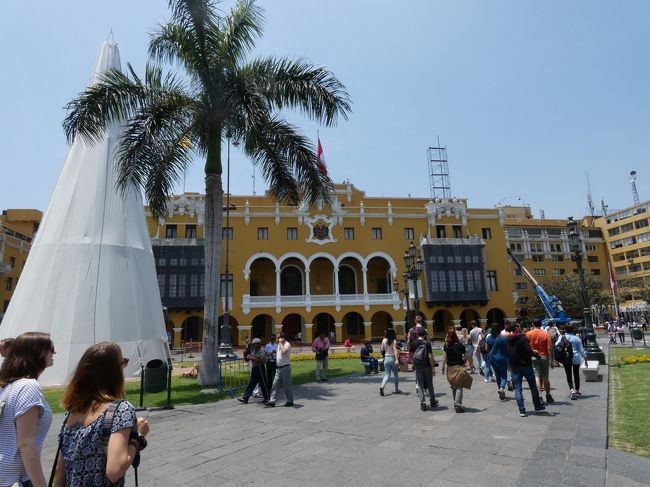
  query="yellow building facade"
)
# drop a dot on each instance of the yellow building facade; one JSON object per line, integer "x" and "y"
{"x": 627, "y": 233}
{"x": 17, "y": 229}
{"x": 335, "y": 268}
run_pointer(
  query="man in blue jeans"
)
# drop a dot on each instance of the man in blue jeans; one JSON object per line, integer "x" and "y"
{"x": 520, "y": 356}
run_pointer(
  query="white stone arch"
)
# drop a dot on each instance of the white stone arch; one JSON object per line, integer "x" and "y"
{"x": 324, "y": 255}
{"x": 353, "y": 255}
{"x": 293, "y": 255}
{"x": 254, "y": 257}
{"x": 386, "y": 257}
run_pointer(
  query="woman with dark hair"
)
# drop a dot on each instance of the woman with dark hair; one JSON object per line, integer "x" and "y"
{"x": 454, "y": 359}
{"x": 95, "y": 401}
{"x": 391, "y": 355}
{"x": 26, "y": 417}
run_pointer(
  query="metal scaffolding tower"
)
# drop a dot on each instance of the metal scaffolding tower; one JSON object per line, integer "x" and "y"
{"x": 438, "y": 172}
{"x": 635, "y": 194}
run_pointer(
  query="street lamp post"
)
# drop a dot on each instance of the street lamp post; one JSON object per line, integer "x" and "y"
{"x": 594, "y": 352}
{"x": 414, "y": 266}
{"x": 226, "y": 336}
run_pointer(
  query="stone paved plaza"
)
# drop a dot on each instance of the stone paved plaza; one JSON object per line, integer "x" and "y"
{"x": 343, "y": 433}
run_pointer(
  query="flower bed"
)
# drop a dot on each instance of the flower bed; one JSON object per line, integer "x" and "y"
{"x": 636, "y": 359}
{"x": 331, "y": 356}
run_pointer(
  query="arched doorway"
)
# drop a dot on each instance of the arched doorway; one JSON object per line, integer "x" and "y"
{"x": 292, "y": 326}
{"x": 468, "y": 315}
{"x": 261, "y": 327}
{"x": 378, "y": 276}
{"x": 442, "y": 322}
{"x": 323, "y": 323}
{"x": 495, "y": 315}
{"x": 380, "y": 322}
{"x": 353, "y": 326}
{"x": 291, "y": 281}
{"x": 262, "y": 277}
{"x": 192, "y": 329}
{"x": 347, "y": 280}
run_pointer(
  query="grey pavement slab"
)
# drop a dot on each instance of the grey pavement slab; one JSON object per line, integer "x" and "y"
{"x": 344, "y": 433}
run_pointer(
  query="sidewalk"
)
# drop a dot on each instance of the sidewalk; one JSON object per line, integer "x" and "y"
{"x": 344, "y": 433}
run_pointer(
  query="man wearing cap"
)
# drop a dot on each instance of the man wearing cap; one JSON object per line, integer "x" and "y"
{"x": 257, "y": 356}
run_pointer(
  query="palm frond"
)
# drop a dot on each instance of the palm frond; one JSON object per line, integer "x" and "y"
{"x": 288, "y": 162}
{"x": 189, "y": 12}
{"x": 239, "y": 31}
{"x": 299, "y": 84}
{"x": 113, "y": 98}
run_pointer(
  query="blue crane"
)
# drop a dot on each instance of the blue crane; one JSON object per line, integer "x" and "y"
{"x": 552, "y": 304}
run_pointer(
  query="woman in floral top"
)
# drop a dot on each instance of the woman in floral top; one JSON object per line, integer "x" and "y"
{"x": 84, "y": 459}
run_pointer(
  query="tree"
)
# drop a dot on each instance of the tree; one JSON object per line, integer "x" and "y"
{"x": 567, "y": 289}
{"x": 168, "y": 118}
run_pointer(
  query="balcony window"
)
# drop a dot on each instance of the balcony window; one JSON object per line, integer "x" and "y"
{"x": 457, "y": 231}
{"x": 190, "y": 231}
{"x": 12, "y": 262}
{"x": 9, "y": 284}
{"x": 440, "y": 231}
{"x": 409, "y": 234}
{"x": 348, "y": 233}
{"x": 262, "y": 233}
{"x": 487, "y": 233}
{"x": 292, "y": 233}
{"x": 558, "y": 272}
{"x": 592, "y": 258}
{"x": 170, "y": 231}
{"x": 539, "y": 272}
{"x": 376, "y": 233}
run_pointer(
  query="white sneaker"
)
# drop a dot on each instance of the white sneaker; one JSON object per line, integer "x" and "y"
{"x": 572, "y": 395}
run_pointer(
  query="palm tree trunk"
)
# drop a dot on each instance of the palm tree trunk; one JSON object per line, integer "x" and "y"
{"x": 212, "y": 234}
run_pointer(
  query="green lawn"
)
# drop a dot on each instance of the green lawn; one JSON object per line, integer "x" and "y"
{"x": 187, "y": 391}
{"x": 629, "y": 393}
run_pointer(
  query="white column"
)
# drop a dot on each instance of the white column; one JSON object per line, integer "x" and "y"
{"x": 364, "y": 270}
{"x": 336, "y": 281}
{"x": 277, "y": 282}
{"x": 307, "y": 285}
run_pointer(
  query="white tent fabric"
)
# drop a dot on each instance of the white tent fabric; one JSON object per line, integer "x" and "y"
{"x": 90, "y": 275}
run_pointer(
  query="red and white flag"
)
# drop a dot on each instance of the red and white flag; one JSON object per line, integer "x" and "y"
{"x": 320, "y": 160}
{"x": 612, "y": 279}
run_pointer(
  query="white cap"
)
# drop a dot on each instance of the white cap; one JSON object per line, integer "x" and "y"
{"x": 256, "y": 340}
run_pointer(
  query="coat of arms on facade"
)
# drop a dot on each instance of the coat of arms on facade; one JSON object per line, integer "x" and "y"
{"x": 320, "y": 229}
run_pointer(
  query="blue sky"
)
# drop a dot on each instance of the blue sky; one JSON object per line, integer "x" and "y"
{"x": 527, "y": 96}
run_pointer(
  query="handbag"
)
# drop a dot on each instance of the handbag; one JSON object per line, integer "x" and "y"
{"x": 458, "y": 377}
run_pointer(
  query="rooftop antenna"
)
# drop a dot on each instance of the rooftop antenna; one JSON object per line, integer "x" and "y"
{"x": 603, "y": 206}
{"x": 439, "y": 184}
{"x": 590, "y": 201}
{"x": 635, "y": 194}
{"x": 542, "y": 215}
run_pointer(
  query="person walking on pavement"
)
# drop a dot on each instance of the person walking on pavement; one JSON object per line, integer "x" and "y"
{"x": 454, "y": 360}
{"x": 520, "y": 357}
{"x": 271, "y": 350}
{"x": 282, "y": 372}
{"x": 498, "y": 359}
{"x": 553, "y": 333}
{"x": 621, "y": 332}
{"x": 540, "y": 342}
{"x": 571, "y": 345}
{"x": 412, "y": 334}
{"x": 422, "y": 355}
{"x": 391, "y": 355}
{"x": 475, "y": 334}
{"x": 321, "y": 347}
{"x": 257, "y": 357}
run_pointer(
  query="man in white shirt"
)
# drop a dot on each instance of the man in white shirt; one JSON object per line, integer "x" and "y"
{"x": 475, "y": 336}
{"x": 282, "y": 372}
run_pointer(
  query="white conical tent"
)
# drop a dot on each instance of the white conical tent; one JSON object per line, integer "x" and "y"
{"x": 90, "y": 275}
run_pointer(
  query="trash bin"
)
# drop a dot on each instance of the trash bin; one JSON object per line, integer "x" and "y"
{"x": 637, "y": 334}
{"x": 155, "y": 376}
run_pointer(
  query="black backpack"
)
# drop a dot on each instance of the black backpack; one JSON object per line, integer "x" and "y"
{"x": 420, "y": 356}
{"x": 564, "y": 351}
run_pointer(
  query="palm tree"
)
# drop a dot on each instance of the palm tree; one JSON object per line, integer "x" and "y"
{"x": 168, "y": 118}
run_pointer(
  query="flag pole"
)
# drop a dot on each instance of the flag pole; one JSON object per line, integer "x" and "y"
{"x": 612, "y": 285}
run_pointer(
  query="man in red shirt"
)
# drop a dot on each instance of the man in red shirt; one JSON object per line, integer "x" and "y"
{"x": 540, "y": 341}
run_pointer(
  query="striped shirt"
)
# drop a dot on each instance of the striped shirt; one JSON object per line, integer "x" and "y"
{"x": 20, "y": 397}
